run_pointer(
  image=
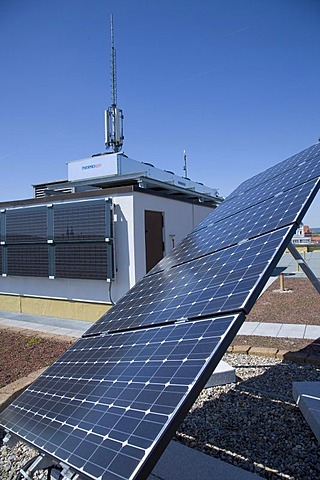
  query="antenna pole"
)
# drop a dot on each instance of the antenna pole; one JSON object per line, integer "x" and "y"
{"x": 113, "y": 115}
{"x": 113, "y": 67}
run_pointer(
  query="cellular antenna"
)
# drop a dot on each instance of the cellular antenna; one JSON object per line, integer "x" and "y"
{"x": 113, "y": 117}
{"x": 185, "y": 164}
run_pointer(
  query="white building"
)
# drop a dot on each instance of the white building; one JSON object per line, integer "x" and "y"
{"x": 301, "y": 237}
{"x": 80, "y": 244}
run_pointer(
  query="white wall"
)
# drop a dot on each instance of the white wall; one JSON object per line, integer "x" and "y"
{"x": 124, "y": 245}
{"x": 62, "y": 288}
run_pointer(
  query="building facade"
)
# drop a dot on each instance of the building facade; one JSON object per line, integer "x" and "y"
{"x": 81, "y": 244}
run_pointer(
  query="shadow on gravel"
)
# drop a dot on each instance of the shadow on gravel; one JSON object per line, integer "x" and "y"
{"x": 313, "y": 350}
{"x": 256, "y": 425}
{"x": 2, "y": 435}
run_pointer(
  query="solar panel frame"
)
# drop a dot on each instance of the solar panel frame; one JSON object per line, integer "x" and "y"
{"x": 101, "y": 422}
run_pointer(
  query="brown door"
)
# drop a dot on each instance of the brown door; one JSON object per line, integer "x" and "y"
{"x": 153, "y": 222}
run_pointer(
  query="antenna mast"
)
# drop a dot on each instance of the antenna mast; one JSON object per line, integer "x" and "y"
{"x": 113, "y": 116}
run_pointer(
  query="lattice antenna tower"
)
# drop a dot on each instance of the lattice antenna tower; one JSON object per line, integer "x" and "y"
{"x": 113, "y": 119}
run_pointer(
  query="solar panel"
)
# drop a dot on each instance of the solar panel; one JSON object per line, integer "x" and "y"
{"x": 81, "y": 260}
{"x": 2, "y": 226}
{"x": 220, "y": 282}
{"x": 28, "y": 260}
{"x": 277, "y": 212}
{"x": 109, "y": 405}
{"x": 76, "y": 221}
{"x": 24, "y": 225}
{"x": 110, "y": 402}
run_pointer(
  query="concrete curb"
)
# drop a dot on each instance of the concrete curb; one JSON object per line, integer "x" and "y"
{"x": 296, "y": 357}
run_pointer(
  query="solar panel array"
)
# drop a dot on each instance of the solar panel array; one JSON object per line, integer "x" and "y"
{"x": 105, "y": 403}
{"x": 65, "y": 240}
{"x": 110, "y": 404}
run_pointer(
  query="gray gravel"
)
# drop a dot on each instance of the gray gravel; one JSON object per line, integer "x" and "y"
{"x": 253, "y": 424}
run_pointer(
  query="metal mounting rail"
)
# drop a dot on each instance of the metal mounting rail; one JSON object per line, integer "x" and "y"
{"x": 304, "y": 266}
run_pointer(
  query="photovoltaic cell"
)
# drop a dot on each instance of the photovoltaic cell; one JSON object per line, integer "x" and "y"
{"x": 105, "y": 406}
{"x": 111, "y": 403}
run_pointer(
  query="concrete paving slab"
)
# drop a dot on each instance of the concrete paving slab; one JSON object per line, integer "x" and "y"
{"x": 267, "y": 329}
{"x": 180, "y": 462}
{"x": 248, "y": 328}
{"x": 44, "y": 320}
{"x": 76, "y": 328}
{"x": 7, "y": 322}
{"x": 58, "y": 331}
{"x": 307, "y": 397}
{"x": 292, "y": 330}
{"x": 75, "y": 333}
{"x": 41, "y": 328}
{"x": 312, "y": 332}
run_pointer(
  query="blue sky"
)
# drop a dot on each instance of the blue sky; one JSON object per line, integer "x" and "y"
{"x": 234, "y": 82}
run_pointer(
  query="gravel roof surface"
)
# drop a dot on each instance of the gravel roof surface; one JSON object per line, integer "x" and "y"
{"x": 299, "y": 303}
{"x": 23, "y": 353}
{"x": 255, "y": 423}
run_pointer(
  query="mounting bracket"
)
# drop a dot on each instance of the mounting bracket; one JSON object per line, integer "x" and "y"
{"x": 56, "y": 470}
{"x": 42, "y": 462}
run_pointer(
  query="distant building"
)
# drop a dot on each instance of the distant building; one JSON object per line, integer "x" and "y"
{"x": 303, "y": 235}
{"x": 80, "y": 244}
